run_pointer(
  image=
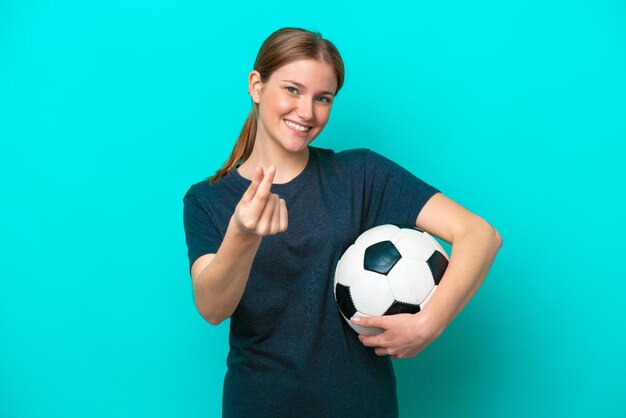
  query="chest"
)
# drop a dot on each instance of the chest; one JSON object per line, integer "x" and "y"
{"x": 293, "y": 271}
{"x": 322, "y": 220}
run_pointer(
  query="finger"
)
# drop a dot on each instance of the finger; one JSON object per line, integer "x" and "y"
{"x": 256, "y": 180}
{"x": 371, "y": 340}
{"x": 265, "y": 223}
{"x": 263, "y": 190}
{"x": 369, "y": 321}
{"x": 276, "y": 216}
{"x": 365, "y": 341}
{"x": 279, "y": 206}
{"x": 283, "y": 215}
{"x": 261, "y": 197}
{"x": 381, "y": 351}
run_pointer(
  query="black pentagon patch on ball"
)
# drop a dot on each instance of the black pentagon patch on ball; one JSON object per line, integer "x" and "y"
{"x": 438, "y": 264}
{"x": 401, "y": 307}
{"x": 344, "y": 301}
{"x": 381, "y": 257}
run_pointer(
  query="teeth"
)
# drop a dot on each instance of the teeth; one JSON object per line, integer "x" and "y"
{"x": 295, "y": 126}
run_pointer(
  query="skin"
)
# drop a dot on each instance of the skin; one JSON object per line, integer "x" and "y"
{"x": 275, "y": 143}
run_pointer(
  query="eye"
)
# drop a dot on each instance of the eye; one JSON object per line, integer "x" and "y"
{"x": 325, "y": 100}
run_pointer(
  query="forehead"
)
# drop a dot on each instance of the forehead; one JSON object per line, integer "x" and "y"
{"x": 312, "y": 73}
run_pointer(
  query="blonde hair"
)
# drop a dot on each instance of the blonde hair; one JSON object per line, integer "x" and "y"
{"x": 281, "y": 47}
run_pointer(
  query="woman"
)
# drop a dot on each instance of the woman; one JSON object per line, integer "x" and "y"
{"x": 265, "y": 233}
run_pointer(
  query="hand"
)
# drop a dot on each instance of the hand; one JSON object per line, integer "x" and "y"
{"x": 260, "y": 212}
{"x": 403, "y": 336}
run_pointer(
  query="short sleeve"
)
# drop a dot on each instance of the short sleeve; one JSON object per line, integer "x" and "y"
{"x": 392, "y": 193}
{"x": 201, "y": 234}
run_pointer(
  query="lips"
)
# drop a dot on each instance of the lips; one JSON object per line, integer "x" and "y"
{"x": 296, "y": 131}
{"x": 298, "y": 124}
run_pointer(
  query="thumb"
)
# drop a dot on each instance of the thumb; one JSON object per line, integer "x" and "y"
{"x": 369, "y": 321}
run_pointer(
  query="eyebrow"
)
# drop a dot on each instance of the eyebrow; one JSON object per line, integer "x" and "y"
{"x": 302, "y": 85}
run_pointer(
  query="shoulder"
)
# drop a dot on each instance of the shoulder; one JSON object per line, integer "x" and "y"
{"x": 353, "y": 155}
{"x": 361, "y": 159}
{"x": 362, "y": 154}
{"x": 349, "y": 164}
{"x": 200, "y": 192}
{"x": 198, "y": 188}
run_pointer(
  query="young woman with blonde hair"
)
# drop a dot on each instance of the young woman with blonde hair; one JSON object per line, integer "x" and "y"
{"x": 264, "y": 235}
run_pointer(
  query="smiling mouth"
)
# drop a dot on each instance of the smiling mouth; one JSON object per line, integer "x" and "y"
{"x": 296, "y": 127}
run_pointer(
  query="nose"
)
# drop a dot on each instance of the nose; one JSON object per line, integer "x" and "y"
{"x": 305, "y": 109}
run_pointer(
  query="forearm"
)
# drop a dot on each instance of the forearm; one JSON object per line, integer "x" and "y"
{"x": 220, "y": 286}
{"x": 472, "y": 256}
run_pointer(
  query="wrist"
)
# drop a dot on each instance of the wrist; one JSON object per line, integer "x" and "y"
{"x": 239, "y": 233}
{"x": 433, "y": 322}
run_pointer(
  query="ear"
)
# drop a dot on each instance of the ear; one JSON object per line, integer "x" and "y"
{"x": 255, "y": 86}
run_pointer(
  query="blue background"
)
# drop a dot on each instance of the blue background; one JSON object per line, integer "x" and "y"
{"x": 110, "y": 110}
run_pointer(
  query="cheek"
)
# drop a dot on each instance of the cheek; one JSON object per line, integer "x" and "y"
{"x": 280, "y": 104}
{"x": 322, "y": 116}
{"x": 273, "y": 100}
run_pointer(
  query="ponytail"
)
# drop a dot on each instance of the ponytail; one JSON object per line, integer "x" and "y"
{"x": 242, "y": 149}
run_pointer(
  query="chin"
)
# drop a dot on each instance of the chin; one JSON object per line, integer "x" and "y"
{"x": 296, "y": 145}
{"x": 296, "y": 148}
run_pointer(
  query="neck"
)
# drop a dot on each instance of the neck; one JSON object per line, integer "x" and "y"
{"x": 288, "y": 164}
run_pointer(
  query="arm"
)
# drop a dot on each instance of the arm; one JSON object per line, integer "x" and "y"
{"x": 219, "y": 280}
{"x": 474, "y": 247}
{"x": 475, "y": 244}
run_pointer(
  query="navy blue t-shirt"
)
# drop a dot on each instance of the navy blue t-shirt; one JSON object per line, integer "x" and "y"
{"x": 291, "y": 353}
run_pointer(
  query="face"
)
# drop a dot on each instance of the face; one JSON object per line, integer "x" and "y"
{"x": 300, "y": 93}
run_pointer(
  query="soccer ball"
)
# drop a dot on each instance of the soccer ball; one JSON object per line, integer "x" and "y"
{"x": 390, "y": 269}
